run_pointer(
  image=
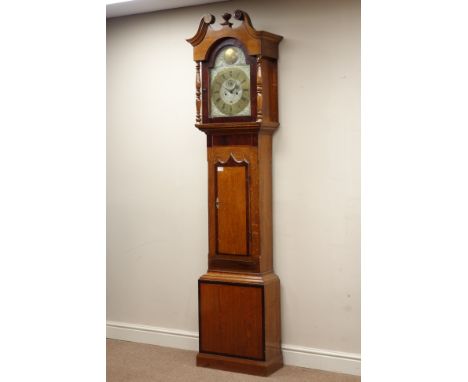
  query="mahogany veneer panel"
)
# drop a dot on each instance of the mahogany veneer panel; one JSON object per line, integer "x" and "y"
{"x": 232, "y": 320}
{"x": 231, "y": 202}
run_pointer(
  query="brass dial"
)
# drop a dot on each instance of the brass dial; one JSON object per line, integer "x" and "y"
{"x": 230, "y": 91}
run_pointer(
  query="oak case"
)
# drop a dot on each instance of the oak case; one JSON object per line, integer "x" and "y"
{"x": 239, "y": 296}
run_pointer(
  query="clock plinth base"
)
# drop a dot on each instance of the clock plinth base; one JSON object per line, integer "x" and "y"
{"x": 239, "y": 365}
{"x": 240, "y": 322}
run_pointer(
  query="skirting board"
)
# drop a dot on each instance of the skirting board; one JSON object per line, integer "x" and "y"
{"x": 338, "y": 362}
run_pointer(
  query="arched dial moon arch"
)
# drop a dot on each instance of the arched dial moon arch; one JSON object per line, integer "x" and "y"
{"x": 230, "y": 84}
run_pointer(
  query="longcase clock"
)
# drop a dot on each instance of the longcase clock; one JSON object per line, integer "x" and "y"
{"x": 237, "y": 108}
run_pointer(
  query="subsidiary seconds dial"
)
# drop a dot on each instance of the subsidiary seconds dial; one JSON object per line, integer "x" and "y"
{"x": 230, "y": 91}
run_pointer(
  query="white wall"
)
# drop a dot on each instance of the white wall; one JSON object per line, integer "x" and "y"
{"x": 157, "y": 175}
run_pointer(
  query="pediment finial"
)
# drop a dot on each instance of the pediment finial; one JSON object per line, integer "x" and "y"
{"x": 227, "y": 16}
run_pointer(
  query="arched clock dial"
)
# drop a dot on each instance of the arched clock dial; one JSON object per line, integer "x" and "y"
{"x": 230, "y": 84}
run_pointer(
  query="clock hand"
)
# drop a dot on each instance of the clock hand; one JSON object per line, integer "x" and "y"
{"x": 225, "y": 88}
{"x": 233, "y": 89}
{"x": 232, "y": 86}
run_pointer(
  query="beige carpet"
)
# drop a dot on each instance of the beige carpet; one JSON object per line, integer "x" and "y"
{"x": 133, "y": 362}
